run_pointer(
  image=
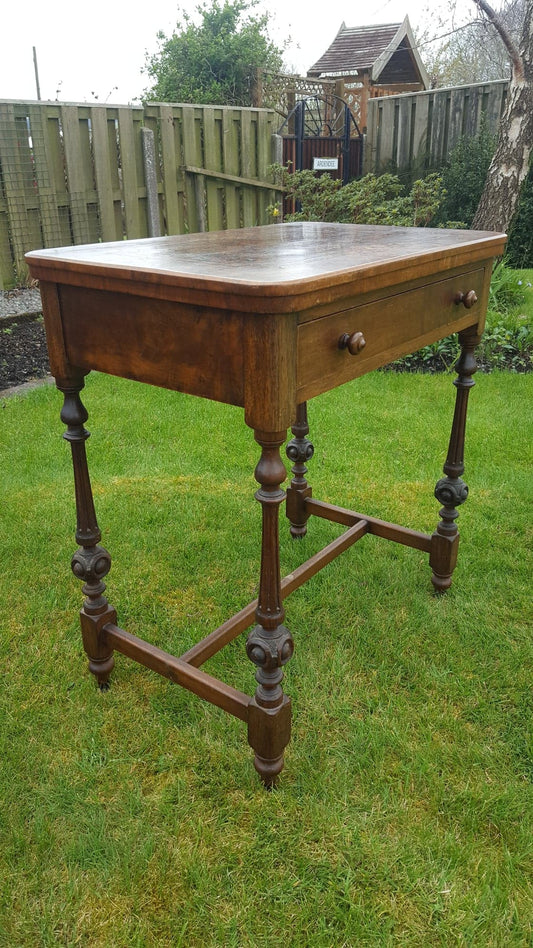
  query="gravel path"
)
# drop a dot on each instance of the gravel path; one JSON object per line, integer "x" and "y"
{"x": 23, "y": 352}
{"x": 15, "y": 302}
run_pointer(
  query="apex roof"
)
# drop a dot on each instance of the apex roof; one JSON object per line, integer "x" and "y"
{"x": 368, "y": 48}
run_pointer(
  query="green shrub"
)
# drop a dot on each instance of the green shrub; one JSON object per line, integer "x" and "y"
{"x": 464, "y": 176}
{"x": 507, "y": 291}
{"x": 374, "y": 199}
{"x": 507, "y": 341}
{"x": 520, "y": 243}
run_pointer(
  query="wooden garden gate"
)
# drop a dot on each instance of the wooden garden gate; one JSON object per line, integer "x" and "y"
{"x": 321, "y": 134}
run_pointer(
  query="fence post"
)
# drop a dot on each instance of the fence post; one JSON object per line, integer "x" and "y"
{"x": 148, "y": 145}
{"x": 277, "y": 149}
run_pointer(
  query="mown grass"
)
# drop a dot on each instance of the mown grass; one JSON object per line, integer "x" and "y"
{"x": 404, "y": 813}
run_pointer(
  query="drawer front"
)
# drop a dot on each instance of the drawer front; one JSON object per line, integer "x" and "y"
{"x": 391, "y": 327}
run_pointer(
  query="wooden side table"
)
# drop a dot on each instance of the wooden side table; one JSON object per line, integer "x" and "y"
{"x": 265, "y": 318}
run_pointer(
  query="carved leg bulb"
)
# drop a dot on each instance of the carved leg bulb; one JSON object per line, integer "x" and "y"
{"x": 269, "y": 644}
{"x": 451, "y": 491}
{"x": 91, "y": 562}
{"x": 299, "y": 450}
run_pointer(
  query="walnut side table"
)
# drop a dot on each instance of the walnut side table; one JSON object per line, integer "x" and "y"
{"x": 264, "y": 318}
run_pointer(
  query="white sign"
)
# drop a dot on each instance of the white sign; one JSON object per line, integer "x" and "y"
{"x": 325, "y": 164}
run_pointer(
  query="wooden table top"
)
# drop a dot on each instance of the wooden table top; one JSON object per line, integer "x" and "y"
{"x": 270, "y": 268}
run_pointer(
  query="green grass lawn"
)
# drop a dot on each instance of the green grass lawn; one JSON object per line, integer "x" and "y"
{"x": 404, "y": 815}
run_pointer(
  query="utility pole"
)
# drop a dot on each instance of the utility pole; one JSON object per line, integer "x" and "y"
{"x": 36, "y": 73}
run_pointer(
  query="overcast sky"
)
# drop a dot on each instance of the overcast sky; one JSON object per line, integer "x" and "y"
{"x": 85, "y": 51}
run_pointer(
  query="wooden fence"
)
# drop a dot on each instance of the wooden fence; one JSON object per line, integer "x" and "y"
{"x": 417, "y": 131}
{"x": 73, "y": 174}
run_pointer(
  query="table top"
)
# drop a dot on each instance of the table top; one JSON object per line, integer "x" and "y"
{"x": 277, "y": 264}
{"x": 253, "y": 317}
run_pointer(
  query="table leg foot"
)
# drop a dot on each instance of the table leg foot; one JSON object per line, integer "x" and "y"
{"x": 269, "y": 732}
{"x": 99, "y": 653}
{"x": 444, "y": 547}
{"x": 299, "y": 450}
{"x": 451, "y": 491}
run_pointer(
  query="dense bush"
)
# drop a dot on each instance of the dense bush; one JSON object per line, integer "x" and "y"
{"x": 213, "y": 55}
{"x": 520, "y": 244}
{"x": 463, "y": 178}
{"x": 374, "y": 199}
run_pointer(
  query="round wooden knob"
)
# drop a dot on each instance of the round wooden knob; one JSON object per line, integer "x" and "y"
{"x": 467, "y": 299}
{"x": 354, "y": 342}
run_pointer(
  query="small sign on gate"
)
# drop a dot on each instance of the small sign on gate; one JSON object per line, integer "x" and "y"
{"x": 325, "y": 164}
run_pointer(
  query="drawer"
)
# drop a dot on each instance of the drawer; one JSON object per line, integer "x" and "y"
{"x": 392, "y": 327}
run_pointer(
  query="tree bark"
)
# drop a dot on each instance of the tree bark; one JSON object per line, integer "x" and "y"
{"x": 510, "y": 164}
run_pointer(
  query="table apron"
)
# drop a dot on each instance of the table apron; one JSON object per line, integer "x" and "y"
{"x": 181, "y": 347}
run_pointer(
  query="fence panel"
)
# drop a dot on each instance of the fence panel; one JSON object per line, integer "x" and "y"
{"x": 417, "y": 131}
{"x": 76, "y": 143}
{"x": 458, "y": 102}
{"x": 68, "y": 174}
{"x": 496, "y": 97}
{"x": 215, "y": 165}
{"x": 46, "y": 179}
{"x": 55, "y": 145}
{"x": 212, "y": 161}
{"x": 75, "y": 173}
{"x": 247, "y": 168}
{"x": 17, "y": 178}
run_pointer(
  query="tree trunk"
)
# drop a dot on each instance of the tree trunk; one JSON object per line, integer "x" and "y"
{"x": 510, "y": 164}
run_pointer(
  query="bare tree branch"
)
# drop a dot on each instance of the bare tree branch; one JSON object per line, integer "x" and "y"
{"x": 492, "y": 16}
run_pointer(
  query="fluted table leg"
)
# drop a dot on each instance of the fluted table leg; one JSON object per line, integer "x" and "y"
{"x": 91, "y": 562}
{"x": 451, "y": 491}
{"x": 299, "y": 450}
{"x": 269, "y": 644}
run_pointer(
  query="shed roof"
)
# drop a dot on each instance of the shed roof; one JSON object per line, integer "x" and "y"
{"x": 369, "y": 48}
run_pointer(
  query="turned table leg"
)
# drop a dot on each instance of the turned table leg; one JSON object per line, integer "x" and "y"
{"x": 269, "y": 644}
{"x": 451, "y": 491}
{"x": 299, "y": 450}
{"x": 90, "y": 562}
